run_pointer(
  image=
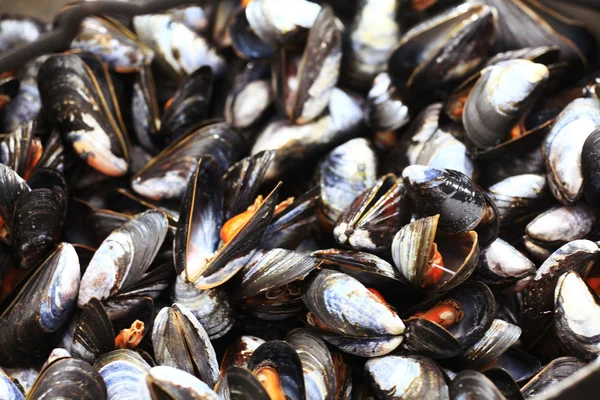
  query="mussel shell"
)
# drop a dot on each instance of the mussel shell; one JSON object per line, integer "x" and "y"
{"x": 284, "y": 359}
{"x": 406, "y": 377}
{"x": 124, "y": 257}
{"x": 519, "y": 365}
{"x": 272, "y": 269}
{"x": 165, "y": 382}
{"x": 346, "y": 172}
{"x": 590, "y": 166}
{"x": 505, "y": 383}
{"x": 176, "y": 325}
{"x": 9, "y": 389}
{"x": 429, "y": 339}
{"x": 211, "y": 307}
{"x": 189, "y": 105}
{"x": 518, "y": 196}
{"x": 438, "y": 53}
{"x": 123, "y": 371}
{"x": 317, "y": 364}
{"x": 289, "y": 227}
{"x": 474, "y": 385}
{"x": 374, "y": 216}
{"x": 20, "y": 149}
{"x": 113, "y": 43}
{"x": 577, "y": 316}
{"x": 19, "y": 29}
{"x": 29, "y": 325}
{"x": 239, "y": 352}
{"x": 554, "y": 372}
{"x": 94, "y": 334}
{"x": 167, "y": 174}
{"x": 478, "y": 305}
{"x": 411, "y": 251}
{"x": 362, "y": 346}
{"x": 561, "y": 224}
{"x": 562, "y": 148}
{"x": 444, "y": 151}
{"x": 492, "y": 110}
{"x": 82, "y": 102}
{"x": 501, "y": 263}
{"x": 462, "y": 205}
{"x": 183, "y": 49}
{"x": 145, "y": 113}
{"x": 248, "y": 103}
{"x": 496, "y": 340}
{"x": 242, "y": 385}
{"x": 385, "y": 110}
{"x": 53, "y": 154}
{"x": 317, "y": 73}
{"x": 538, "y": 299}
{"x": 12, "y": 188}
{"x": 246, "y": 44}
{"x": 348, "y": 307}
{"x": 37, "y": 225}
{"x": 69, "y": 379}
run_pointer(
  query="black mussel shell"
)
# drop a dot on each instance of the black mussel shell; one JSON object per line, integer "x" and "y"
{"x": 244, "y": 41}
{"x": 94, "y": 334}
{"x": 242, "y": 385}
{"x": 590, "y": 164}
{"x": 553, "y": 373}
{"x": 474, "y": 385}
{"x": 12, "y": 188}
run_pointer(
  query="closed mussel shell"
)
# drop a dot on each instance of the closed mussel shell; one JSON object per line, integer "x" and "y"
{"x": 518, "y": 196}
{"x": 561, "y": 224}
{"x": 406, "y": 377}
{"x": 562, "y": 148}
{"x": 165, "y": 382}
{"x": 538, "y": 299}
{"x": 94, "y": 334}
{"x": 12, "y": 187}
{"x": 69, "y": 379}
{"x": 385, "y": 109}
{"x": 590, "y": 165}
{"x": 242, "y": 385}
{"x": 500, "y": 336}
{"x": 175, "y": 326}
{"x": 577, "y": 317}
{"x": 123, "y": 371}
{"x": 553, "y": 373}
{"x": 474, "y": 385}
{"x": 144, "y": 109}
{"x": 29, "y": 325}
{"x": 500, "y": 263}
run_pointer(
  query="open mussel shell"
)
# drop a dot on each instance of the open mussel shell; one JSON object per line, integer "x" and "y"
{"x": 538, "y": 299}
{"x": 372, "y": 36}
{"x": 474, "y": 307}
{"x": 317, "y": 364}
{"x": 461, "y": 204}
{"x": 492, "y": 110}
{"x": 281, "y": 357}
{"x": 123, "y": 371}
{"x": 415, "y": 65}
{"x": 197, "y": 248}
{"x": 500, "y": 264}
{"x": 372, "y": 219}
{"x": 21, "y": 150}
{"x": 415, "y": 251}
{"x": 346, "y": 172}
{"x": 590, "y": 166}
{"x": 211, "y": 307}
{"x": 317, "y": 72}
{"x": 519, "y": 196}
{"x": 174, "y": 326}
{"x": 78, "y": 96}
{"x": 242, "y": 385}
{"x": 69, "y": 379}
{"x": 406, "y": 377}
{"x": 385, "y": 110}
{"x": 562, "y": 148}
{"x": 124, "y": 257}
{"x": 291, "y": 226}
{"x": 553, "y": 373}
{"x": 242, "y": 182}
{"x": 10, "y": 389}
{"x": 12, "y": 188}
{"x": 347, "y": 307}
{"x": 168, "y": 383}
{"x": 29, "y": 324}
{"x": 577, "y": 317}
{"x": 183, "y": 49}
{"x": 189, "y": 105}
{"x": 167, "y": 174}
{"x": 561, "y": 224}
{"x": 37, "y": 224}
{"x": 474, "y": 385}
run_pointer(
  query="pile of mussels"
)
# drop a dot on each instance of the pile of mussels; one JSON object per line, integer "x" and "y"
{"x": 280, "y": 199}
